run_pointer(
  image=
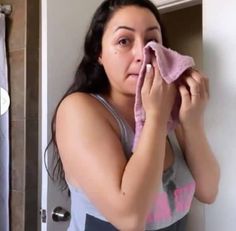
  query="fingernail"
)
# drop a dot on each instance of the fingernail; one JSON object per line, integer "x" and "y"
{"x": 148, "y": 67}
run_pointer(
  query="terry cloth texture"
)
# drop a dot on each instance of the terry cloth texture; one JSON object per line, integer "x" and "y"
{"x": 171, "y": 65}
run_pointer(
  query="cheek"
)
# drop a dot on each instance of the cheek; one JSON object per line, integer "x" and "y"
{"x": 115, "y": 61}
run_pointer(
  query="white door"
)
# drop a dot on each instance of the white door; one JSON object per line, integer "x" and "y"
{"x": 63, "y": 27}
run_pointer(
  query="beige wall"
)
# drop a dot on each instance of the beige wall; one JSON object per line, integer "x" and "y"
{"x": 22, "y": 48}
{"x": 184, "y": 31}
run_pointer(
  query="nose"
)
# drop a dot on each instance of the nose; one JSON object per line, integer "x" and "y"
{"x": 138, "y": 51}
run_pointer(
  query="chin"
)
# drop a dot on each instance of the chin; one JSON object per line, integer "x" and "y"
{"x": 130, "y": 93}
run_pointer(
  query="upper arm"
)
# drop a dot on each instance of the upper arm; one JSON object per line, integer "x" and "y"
{"x": 90, "y": 150}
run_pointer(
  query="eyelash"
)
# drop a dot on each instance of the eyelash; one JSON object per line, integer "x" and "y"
{"x": 127, "y": 40}
{"x": 154, "y": 40}
{"x": 122, "y": 40}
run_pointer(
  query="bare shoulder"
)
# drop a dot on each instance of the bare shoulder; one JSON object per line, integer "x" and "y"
{"x": 87, "y": 140}
{"x": 81, "y": 107}
{"x": 86, "y": 109}
{"x": 78, "y": 102}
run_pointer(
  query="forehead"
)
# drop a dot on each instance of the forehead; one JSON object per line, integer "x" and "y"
{"x": 132, "y": 16}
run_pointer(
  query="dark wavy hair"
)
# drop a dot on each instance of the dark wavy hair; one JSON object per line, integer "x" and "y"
{"x": 90, "y": 76}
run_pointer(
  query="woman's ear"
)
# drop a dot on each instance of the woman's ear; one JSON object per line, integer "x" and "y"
{"x": 100, "y": 60}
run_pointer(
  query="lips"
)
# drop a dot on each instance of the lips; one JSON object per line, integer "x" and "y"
{"x": 133, "y": 75}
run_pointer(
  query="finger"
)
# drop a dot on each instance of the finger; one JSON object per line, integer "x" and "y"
{"x": 157, "y": 75}
{"x": 201, "y": 81}
{"x": 185, "y": 96}
{"x": 155, "y": 67}
{"x": 194, "y": 87}
{"x": 148, "y": 78}
{"x": 204, "y": 83}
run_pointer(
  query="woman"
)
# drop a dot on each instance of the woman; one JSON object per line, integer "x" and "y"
{"x": 112, "y": 186}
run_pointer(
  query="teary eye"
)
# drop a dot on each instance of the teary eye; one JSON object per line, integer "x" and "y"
{"x": 152, "y": 40}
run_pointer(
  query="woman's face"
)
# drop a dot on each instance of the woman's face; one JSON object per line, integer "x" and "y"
{"x": 125, "y": 35}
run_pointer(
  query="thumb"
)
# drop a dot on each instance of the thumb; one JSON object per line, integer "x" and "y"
{"x": 148, "y": 79}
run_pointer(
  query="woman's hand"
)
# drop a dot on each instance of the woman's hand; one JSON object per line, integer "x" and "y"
{"x": 194, "y": 92}
{"x": 157, "y": 96}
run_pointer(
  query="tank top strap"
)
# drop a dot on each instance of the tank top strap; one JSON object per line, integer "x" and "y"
{"x": 123, "y": 126}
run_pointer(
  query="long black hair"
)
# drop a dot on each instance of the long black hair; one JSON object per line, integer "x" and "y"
{"x": 90, "y": 76}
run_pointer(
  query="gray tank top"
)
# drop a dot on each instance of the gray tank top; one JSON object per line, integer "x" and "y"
{"x": 171, "y": 203}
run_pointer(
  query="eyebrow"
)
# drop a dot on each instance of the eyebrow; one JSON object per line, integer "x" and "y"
{"x": 132, "y": 29}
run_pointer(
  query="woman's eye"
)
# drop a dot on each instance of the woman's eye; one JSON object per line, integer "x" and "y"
{"x": 152, "y": 40}
{"x": 124, "y": 42}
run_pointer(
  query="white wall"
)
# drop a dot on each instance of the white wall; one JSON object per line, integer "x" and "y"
{"x": 219, "y": 48}
{"x": 67, "y": 23}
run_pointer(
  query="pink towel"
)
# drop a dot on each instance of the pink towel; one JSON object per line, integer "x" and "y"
{"x": 171, "y": 65}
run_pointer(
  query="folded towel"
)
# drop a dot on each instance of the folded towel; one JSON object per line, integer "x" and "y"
{"x": 171, "y": 66}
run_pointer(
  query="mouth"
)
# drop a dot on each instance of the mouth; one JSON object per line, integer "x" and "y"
{"x": 133, "y": 75}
